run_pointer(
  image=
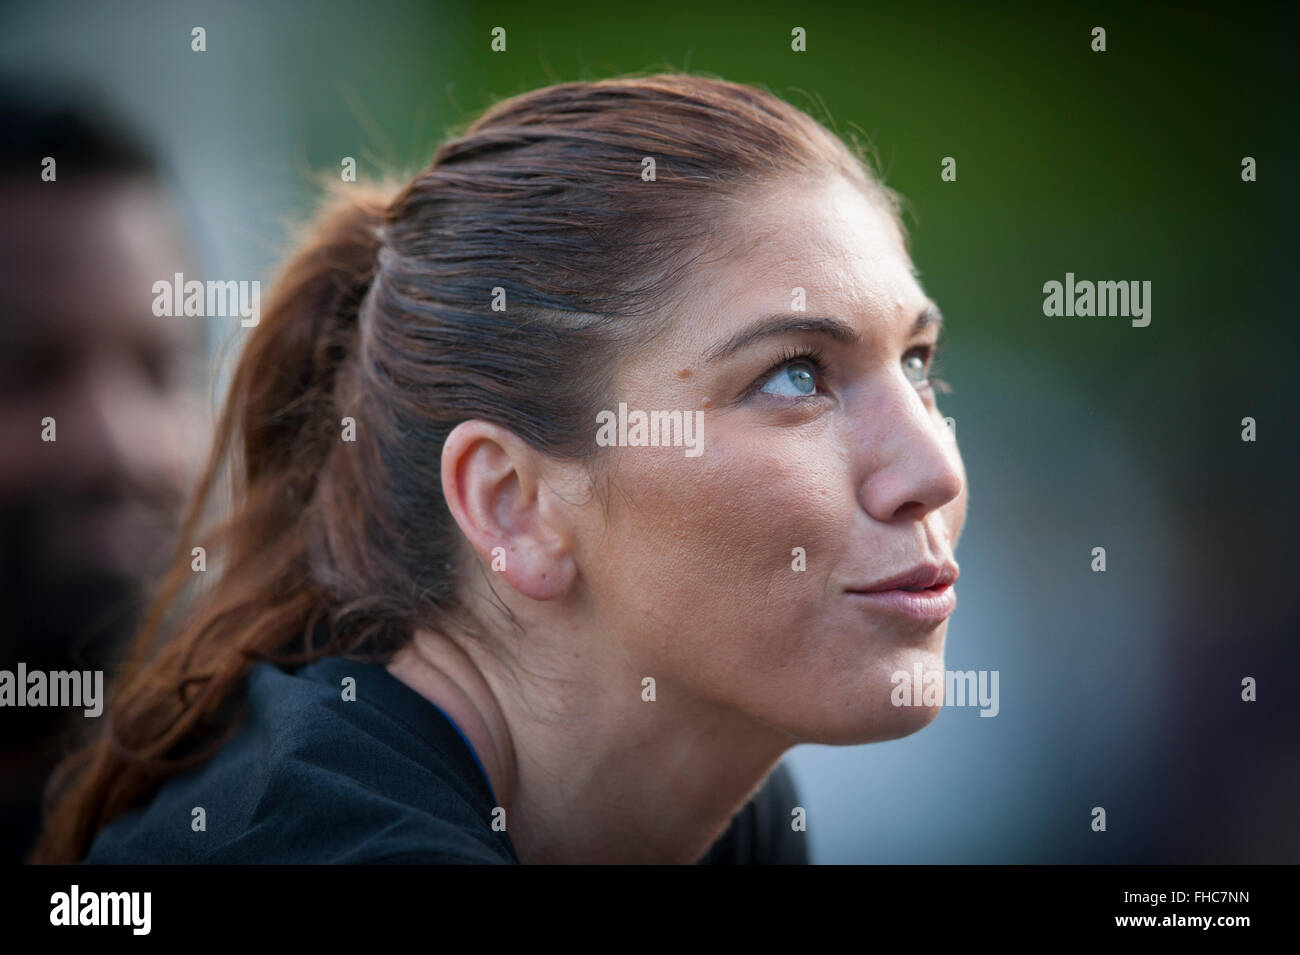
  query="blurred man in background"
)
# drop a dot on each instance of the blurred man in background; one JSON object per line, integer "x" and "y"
{"x": 85, "y": 516}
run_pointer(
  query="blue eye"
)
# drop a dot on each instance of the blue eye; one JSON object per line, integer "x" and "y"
{"x": 921, "y": 366}
{"x": 914, "y": 366}
{"x": 796, "y": 374}
{"x": 794, "y": 379}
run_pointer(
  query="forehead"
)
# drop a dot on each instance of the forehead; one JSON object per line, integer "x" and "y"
{"x": 827, "y": 238}
{"x": 83, "y": 261}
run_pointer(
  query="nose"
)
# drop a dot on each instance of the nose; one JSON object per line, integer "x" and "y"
{"x": 112, "y": 431}
{"x": 909, "y": 457}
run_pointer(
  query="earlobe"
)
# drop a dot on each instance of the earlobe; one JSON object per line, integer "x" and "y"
{"x": 536, "y": 573}
{"x": 491, "y": 482}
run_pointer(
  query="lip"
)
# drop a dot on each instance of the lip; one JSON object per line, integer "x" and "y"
{"x": 933, "y": 604}
{"x": 922, "y": 575}
{"x": 930, "y": 606}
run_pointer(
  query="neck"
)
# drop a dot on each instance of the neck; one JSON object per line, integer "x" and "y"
{"x": 586, "y": 770}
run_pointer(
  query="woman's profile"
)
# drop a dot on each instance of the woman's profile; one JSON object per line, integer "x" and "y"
{"x": 571, "y": 484}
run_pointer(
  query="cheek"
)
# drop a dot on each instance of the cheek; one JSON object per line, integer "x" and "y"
{"x": 696, "y": 569}
{"x": 695, "y": 576}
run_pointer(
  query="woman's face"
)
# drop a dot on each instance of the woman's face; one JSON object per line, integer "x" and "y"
{"x": 823, "y": 441}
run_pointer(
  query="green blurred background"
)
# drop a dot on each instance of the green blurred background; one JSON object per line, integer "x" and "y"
{"x": 1120, "y": 689}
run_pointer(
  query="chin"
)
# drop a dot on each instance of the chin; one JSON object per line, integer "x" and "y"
{"x": 875, "y": 726}
{"x": 865, "y": 711}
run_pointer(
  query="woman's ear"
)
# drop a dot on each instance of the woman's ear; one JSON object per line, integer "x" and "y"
{"x": 492, "y": 482}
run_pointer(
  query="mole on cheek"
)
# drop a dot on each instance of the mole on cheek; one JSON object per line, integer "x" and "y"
{"x": 684, "y": 373}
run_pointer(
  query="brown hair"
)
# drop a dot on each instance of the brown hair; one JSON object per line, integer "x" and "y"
{"x": 385, "y": 315}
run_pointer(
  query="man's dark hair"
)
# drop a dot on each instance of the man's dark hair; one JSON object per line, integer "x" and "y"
{"x": 84, "y": 136}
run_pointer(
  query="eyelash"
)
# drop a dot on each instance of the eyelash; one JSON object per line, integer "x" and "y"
{"x": 813, "y": 356}
{"x": 788, "y": 356}
{"x": 934, "y": 360}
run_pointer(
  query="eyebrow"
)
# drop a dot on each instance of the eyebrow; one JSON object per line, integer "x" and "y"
{"x": 784, "y": 324}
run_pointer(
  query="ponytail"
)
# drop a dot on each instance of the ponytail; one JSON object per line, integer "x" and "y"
{"x": 173, "y": 701}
